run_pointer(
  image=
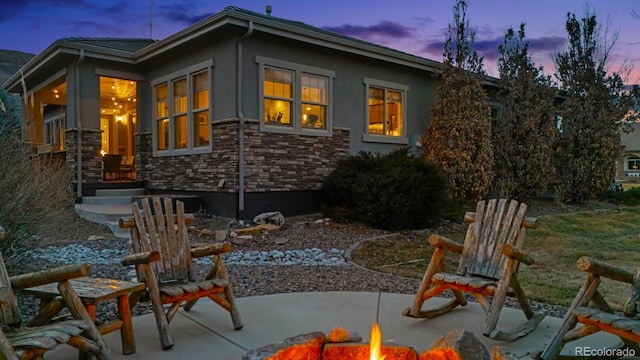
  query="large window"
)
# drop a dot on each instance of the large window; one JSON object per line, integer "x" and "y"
{"x": 385, "y": 111}
{"x": 182, "y": 112}
{"x": 633, "y": 163}
{"x": 295, "y": 98}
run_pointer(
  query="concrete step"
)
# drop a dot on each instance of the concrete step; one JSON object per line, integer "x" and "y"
{"x": 117, "y": 231}
{"x": 120, "y": 192}
{"x": 107, "y": 200}
{"x": 103, "y": 214}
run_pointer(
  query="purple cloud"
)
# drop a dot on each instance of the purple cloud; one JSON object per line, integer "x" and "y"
{"x": 489, "y": 48}
{"x": 384, "y": 29}
{"x": 10, "y": 9}
{"x": 179, "y": 13}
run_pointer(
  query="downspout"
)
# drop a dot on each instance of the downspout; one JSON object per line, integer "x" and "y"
{"x": 79, "y": 126}
{"x": 241, "y": 125}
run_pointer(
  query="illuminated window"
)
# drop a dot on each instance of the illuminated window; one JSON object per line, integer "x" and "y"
{"x": 295, "y": 98}
{"x": 386, "y": 104}
{"x": 633, "y": 163}
{"x": 182, "y": 112}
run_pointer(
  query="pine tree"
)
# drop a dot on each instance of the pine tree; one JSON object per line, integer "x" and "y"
{"x": 458, "y": 137}
{"x": 595, "y": 105}
{"x": 523, "y": 135}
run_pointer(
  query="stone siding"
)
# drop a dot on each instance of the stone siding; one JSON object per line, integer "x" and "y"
{"x": 200, "y": 172}
{"x": 91, "y": 158}
{"x": 273, "y": 162}
{"x": 284, "y": 162}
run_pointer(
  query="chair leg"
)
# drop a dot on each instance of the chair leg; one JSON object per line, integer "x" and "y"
{"x": 158, "y": 309}
{"x": 570, "y": 320}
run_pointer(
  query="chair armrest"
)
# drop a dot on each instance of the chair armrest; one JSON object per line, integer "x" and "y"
{"x": 213, "y": 249}
{"x": 601, "y": 268}
{"x": 140, "y": 258}
{"x": 518, "y": 254}
{"x": 57, "y": 274}
{"x": 442, "y": 242}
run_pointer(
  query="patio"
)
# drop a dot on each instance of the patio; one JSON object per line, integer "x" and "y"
{"x": 271, "y": 318}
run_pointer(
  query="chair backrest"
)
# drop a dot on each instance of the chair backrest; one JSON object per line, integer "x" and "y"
{"x": 158, "y": 227}
{"x": 490, "y": 227}
{"x": 9, "y": 310}
{"x": 112, "y": 162}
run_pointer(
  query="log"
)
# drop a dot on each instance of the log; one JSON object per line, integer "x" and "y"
{"x": 57, "y": 274}
{"x": 6, "y": 350}
{"x": 601, "y": 268}
{"x": 129, "y": 222}
{"x": 140, "y": 258}
{"x": 520, "y": 255}
{"x": 434, "y": 265}
{"x": 442, "y": 242}
{"x": 209, "y": 250}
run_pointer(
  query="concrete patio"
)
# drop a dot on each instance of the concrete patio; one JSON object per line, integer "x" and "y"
{"x": 206, "y": 331}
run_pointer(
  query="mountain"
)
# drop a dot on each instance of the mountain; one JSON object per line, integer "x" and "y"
{"x": 10, "y": 62}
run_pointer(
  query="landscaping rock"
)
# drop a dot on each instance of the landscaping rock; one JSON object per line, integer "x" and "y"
{"x": 273, "y": 217}
{"x": 95, "y": 237}
{"x": 242, "y": 240}
{"x": 220, "y": 235}
{"x": 305, "y": 346}
{"x": 269, "y": 227}
{"x": 281, "y": 241}
{"x": 465, "y": 343}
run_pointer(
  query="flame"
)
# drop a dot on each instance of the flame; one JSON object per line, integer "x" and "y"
{"x": 375, "y": 343}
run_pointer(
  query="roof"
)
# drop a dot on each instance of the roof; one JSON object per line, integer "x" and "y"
{"x": 136, "y": 50}
{"x": 130, "y": 45}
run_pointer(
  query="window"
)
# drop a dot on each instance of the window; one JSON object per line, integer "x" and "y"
{"x": 295, "y": 98}
{"x": 54, "y": 126}
{"x": 633, "y": 163}
{"x": 182, "y": 112}
{"x": 385, "y": 112}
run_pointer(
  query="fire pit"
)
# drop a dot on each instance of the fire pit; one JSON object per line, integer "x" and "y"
{"x": 342, "y": 344}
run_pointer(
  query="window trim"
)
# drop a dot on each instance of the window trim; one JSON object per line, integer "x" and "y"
{"x": 169, "y": 79}
{"x": 386, "y": 85}
{"x": 296, "y": 119}
{"x": 629, "y": 158}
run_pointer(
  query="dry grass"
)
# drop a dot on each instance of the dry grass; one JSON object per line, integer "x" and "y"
{"x": 556, "y": 244}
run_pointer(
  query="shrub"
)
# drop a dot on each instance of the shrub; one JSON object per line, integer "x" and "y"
{"x": 34, "y": 193}
{"x": 629, "y": 197}
{"x": 391, "y": 192}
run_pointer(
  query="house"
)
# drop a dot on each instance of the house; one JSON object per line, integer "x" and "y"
{"x": 628, "y": 166}
{"x": 247, "y": 110}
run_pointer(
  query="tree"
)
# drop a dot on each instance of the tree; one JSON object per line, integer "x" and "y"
{"x": 458, "y": 137}
{"x": 592, "y": 112}
{"x": 523, "y": 135}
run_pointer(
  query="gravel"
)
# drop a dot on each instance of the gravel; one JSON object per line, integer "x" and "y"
{"x": 313, "y": 257}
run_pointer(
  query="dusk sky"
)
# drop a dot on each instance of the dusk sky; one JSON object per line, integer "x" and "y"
{"x": 413, "y": 26}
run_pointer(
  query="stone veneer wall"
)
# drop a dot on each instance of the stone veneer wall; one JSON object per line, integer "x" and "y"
{"x": 273, "y": 162}
{"x": 284, "y": 162}
{"x": 200, "y": 172}
{"x": 91, "y": 159}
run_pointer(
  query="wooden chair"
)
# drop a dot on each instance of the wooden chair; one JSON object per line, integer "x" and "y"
{"x": 601, "y": 317}
{"x": 163, "y": 259}
{"x": 489, "y": 261}
{"x": 111, "y": 166}
{"x": 34, "y": 339}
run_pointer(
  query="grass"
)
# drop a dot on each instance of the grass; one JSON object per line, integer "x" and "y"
{"x": 557, "y": 242}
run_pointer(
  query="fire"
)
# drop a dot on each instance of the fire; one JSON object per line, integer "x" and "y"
{"x": 375, "y": 345}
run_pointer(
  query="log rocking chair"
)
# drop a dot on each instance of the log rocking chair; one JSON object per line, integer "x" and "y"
{"x": 163, "y": 259}
{"x": 601, "y": 317}
{"x": 489, "y": 260}
{"x": 18, "y": 342}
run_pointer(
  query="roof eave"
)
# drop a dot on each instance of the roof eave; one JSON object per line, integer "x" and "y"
{"x": 64, "y": 47}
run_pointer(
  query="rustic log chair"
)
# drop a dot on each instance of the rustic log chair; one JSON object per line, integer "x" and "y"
{"x": 489, "y": 261}
{"x": 602, "y": 317}
{"x": 156, "y": 229}
{"x": 34, "y": 339}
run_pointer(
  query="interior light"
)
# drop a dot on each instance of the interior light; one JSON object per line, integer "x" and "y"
{"x": 119, "y": 118}
{"x": 309, "y": 108}
{"x": 134, "y": 100}
{"x": 57, "y": 96}
{"x": 115, "y": 103}
{"x": 113, "y": 98}
{"x": 55, "y": 91}
{"x": 128, "y": 99}
{"x": 103, "y": 111}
